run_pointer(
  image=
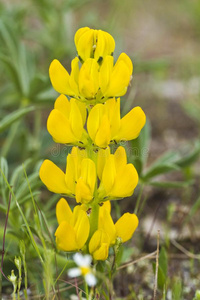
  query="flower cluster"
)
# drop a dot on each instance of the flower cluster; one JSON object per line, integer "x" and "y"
{"x": 87, "y": 116}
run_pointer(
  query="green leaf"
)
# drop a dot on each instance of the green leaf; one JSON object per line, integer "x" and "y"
{"x": 197, "y": 295}
{"x": 190, "y": 158}
{"x": 177, "y": 289}
{"x": 3, "y": 187}
{"x": 161, "y": 276}
{"x": 170, "y": 184}
{"x": 162, "y": 268}
{"x": 18, "y": 172}
{"x": 14, "y": 116}
{"x": 158, "y": 170}
{"x": 163, "y": 261}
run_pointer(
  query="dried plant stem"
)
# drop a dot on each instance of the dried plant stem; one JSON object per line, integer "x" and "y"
{"x": 185, "y": 251}
{"x": 157, "y": 264}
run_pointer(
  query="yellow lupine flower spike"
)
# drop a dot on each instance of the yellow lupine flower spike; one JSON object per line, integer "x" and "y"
{"x": 92, "y": 43}
{"x": 118, "y": 179}
{"x": 104, "y": 124}
{"x": 66, "y": 121}
{"x": 73, "y": 230}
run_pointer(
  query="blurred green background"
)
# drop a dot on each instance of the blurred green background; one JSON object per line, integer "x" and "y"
{"x": 163, "y": 40}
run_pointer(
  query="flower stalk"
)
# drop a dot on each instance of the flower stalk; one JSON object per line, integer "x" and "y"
{"x": 87, "y": 115}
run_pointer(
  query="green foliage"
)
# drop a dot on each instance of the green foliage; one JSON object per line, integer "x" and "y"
{"x": 197, "y": 295}
{"x": 13, "y": 117}
{"x": 177, "y": 289}
{"x": 162, "y": 268}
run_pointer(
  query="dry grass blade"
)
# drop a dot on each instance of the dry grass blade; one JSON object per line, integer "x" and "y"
{"x": 148, "y": 256}
{"x": 185, "y": 251}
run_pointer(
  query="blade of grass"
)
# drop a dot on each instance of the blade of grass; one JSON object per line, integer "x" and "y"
{"x": 23, "y": 217}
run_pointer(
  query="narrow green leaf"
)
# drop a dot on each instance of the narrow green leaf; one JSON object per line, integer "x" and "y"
{"x": 169, "y": 184}
{"x": 14, "y": 116}
{"x": 190, "y": 158}
{"x": 158, "y": 170}
{"x": 163, "y": 261}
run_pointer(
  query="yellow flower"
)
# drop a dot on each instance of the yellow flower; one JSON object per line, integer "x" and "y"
{"x": 99, "y": 245}
{"x": 123, "y": 228}
{"x": 92, "y": 43}
{"x": 114, "y": 80}
{"x": 79, "y": 179}
{"x": 104, "y": 124}
{"x": 66, "y": 121}
{"x": 118, "y": 179}
{"x": 73, "y": 230}
{"x": 92, "y": 82}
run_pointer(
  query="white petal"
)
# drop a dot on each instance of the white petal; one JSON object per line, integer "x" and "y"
{"x": 82, "y": 261}
{"x": 74, "y": 272}
{"x": 90, "y": 279}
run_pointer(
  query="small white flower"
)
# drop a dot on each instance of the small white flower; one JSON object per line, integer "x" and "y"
{"x": 84, "y": 269}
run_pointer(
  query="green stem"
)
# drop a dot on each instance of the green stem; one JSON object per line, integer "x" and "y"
{"x": 138, "y": 199}
{"x": 86, "y": 290}
{"x": 94, "y": 217}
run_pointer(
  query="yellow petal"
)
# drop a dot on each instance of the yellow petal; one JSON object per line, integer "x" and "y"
{"x": 81, "y": 226}
{"x": 103, "y": 154}
{"x": 126, "y": 226}
{"x": 99, "y": 245}
{"x": 94, "y": 120}
{"x": 71, "y": 174}
{"x": 63, "y": 105}
{"x": 110, "y": 44}
{"x": 100, "y": 46}
{"x": 105, "y": 73}
{"x": 85, "y": 44}
{"x": 73, "y": 79}
{"x": 102, "y": 252}
{"x": 89, "y": 79}
{"x": 82, "y": 109}
{"x": 86, "y": 182}
{"x": 59, "y": 127}
{"x": 125, "y": 182}
{"x": 79, "y": 33}
{"x": 108, "y": 175}
{"x": 63, "y": 211}
{"x": 83, "y": 192}
{"x": 120, "y": 77}
{"x": 113, "y": 111}
{"x": 126, "y": 59}
{"x": 106, "y": 205}
{"x": 103, "y": 135}
{"x": 131, "y": 124}
{"x": 76, "y": 121}
{"x": 106, "y": 224}
{"x": 105, "y": 45}
{"x": 120, "y": 158}
{"x": 66, "y": 237}
{"x": 53, "y": 177}
{"x": 59, "y": 78}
